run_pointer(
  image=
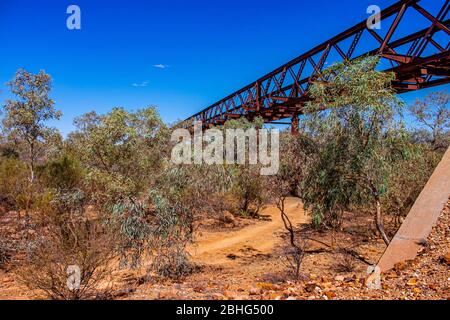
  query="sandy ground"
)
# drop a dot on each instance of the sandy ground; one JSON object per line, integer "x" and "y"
{"x": 231, "y": 257}
{"x": 214, "y": 248}
{"x": 245, "y": 261}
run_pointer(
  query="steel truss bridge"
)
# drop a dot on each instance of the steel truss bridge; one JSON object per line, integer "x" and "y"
{"x": 420, "y": 59}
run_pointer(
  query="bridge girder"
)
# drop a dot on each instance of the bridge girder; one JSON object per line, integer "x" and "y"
{"x": 419, "y": 60}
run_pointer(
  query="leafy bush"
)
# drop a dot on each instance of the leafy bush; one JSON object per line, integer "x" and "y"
{"x": 249, "y": 190}
{"x": 67, "y": 238}
{"x": 174, "y": 218}
{"x": 120, "y": 151}
{"x": 5, "y": 251}
{"x": 161, "y": 225}
{"x": 63, "y": 173}
{"x": 407, "y": 180}
{"x": 132, "y": 220}
{"x": 433, "y": 117}
{"x": 357, "y": 141}
{"x": 14, "y": 183}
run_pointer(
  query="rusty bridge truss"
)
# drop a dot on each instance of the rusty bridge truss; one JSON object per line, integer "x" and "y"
{"x": 419, "y": 59}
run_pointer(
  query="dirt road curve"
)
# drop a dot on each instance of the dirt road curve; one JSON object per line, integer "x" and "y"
{"x": 213, "y": 248}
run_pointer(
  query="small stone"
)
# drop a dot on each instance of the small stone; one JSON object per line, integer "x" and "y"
{"x": 339, "y": 278}
{"x": 446, "y": 258}
{"x": 228, "y": 217}
{"x": 229, "y": 295}
{"x": 400, "y": 266}
{"x": 310, "y": 287}
{"x": 412, "y": 282}
{"x": 433, "y": 287}
{"x": 216, "y": 296}
{"x": 266, "y": 286}
{"x": 417, "y": 290}
{"x": 254, "y": 291}
{"x": 330, "y": 295}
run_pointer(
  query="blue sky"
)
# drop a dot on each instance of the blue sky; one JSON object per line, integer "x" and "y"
{"x": 208, "y": 48}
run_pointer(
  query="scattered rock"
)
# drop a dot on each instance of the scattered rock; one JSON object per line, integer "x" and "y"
{"x": 400, "y": 266}
{"x": 339, "y": 278}
{"x": 446, "y": 258}
{"x": 266, "y": 286}
{"x": 412, "y": 282}
{"x": 228, "y": 217}
{"x": 310, "y": 287}
{"x": 232, "y": 256}
{"x": 229, "y": 295}
{"x": 417, "y": 290}
{"x": 217, "y": 296}
{"x": 254, "y": 291}
{"x": 349, "y": 280}
{"x": 422, "y": 242}
{"x": 330, "y": 295}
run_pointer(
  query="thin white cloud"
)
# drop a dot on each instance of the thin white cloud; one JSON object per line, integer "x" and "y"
{"x": 142, "y": 84}
{"x": 161, "y": 66}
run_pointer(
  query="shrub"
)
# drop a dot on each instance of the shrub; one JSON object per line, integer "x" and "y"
{"x": 345, "y": 263}
{"x": 120, "y": 151}
{"x": 249, "y": 189}
{"x": 63, "y": 173}
{"x": 358, "y": 141}
{"x": 160, "y": 225}
{"x": 67, "y": 238}
{"x": 174, "y": 218}
{"x": 14, "y": 183}
{"x": 5, "y": 251}
{"x": 132, "y": 220}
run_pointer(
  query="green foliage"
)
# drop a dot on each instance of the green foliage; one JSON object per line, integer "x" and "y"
{"x": 243, "y": 123}
{"x": 132, "y": 221}
{"x": 433, "y": 115}
{"x": 407, "y": 179}
{"x": 5, "y": 251}
{"x": 174, "y": 217}
{"x": 25, "y": 118}
{"x": 68, "y": 236}
{"x": 14, "y": 184}
{"x": 296, "y": 153}
{"x": 161, "y": 225}
{"x": 357, "y": 141}
{"x": 248, "y": 187}
{"x": 121, "y": 151}
{"x": 63, "y": 173}
{"x": 356, "y": 84}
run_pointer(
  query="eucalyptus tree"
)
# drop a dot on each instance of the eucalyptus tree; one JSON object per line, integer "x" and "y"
{"x": 121, "y": 151}
{"x": 26, "y": 117}
{"x": 357, "y": 141}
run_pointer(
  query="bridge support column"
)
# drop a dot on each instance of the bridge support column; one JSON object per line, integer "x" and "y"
{"x": 294, "y": 125}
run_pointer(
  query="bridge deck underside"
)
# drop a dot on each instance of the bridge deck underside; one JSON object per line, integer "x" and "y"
{"x": 419, "y": 60}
